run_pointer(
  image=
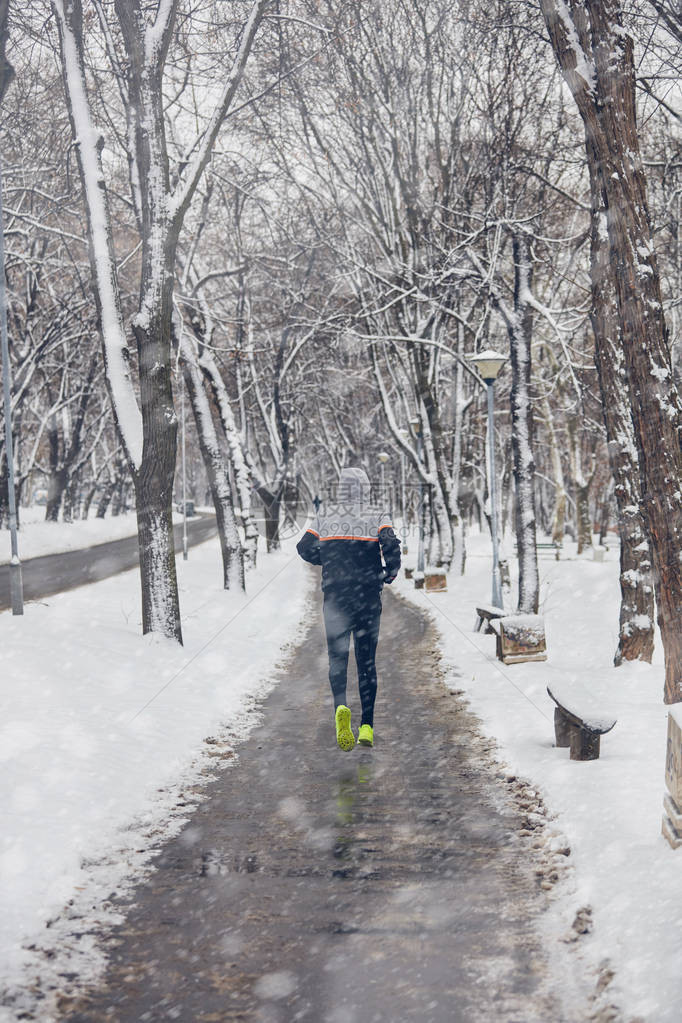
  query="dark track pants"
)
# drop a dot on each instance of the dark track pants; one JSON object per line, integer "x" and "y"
{"x": 343, "y": 616}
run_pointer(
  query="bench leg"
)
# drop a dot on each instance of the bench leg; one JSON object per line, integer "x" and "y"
{"x": 479, "y": 623}
{"x": 562, "y": 729}
{"x": 585, "y": 744}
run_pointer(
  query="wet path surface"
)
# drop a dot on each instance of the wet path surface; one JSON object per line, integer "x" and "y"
{"x": 377, "y": 885}
{"x": 55, "y": 573}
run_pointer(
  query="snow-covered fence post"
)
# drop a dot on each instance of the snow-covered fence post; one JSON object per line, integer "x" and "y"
{"x": 595, "y": 54}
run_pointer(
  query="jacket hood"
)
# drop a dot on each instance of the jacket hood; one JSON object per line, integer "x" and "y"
{"x": 354, "y": 487}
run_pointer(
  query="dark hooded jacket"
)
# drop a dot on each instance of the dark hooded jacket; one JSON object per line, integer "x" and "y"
{"x": 348, "y": 539}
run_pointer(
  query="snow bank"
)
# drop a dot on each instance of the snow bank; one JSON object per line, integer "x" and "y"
{"x": 98, "y": 721}
{"x": 609, "y": 810}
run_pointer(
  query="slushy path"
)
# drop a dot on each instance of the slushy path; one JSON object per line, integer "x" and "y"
{"x": 55, "y": 573}
{"x": 382, "y": 885}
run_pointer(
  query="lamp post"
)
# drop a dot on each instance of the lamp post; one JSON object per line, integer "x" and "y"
{"x": 489, "y": 364}
{"x": 383, "y": 458}
{"x": 15, "y": 581}
{"x": 403, "y": 434}
{"x": 184, "y": 472}
{"x": 416, "y": 425}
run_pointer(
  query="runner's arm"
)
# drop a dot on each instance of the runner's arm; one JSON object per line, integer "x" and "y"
{"x": 309, "y": 547}
{"x": 390, "y": 548}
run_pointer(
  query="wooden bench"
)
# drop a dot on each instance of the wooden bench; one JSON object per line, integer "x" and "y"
{"x": 555, "y": 548}
{"x": 487, "y": 613}
{"x": 519, "y": 638}
{"x": 578, "y": 721}
{"x": 436, "y": 581}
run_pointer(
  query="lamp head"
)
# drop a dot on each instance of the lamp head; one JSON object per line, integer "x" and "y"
{"x": 488, "y": 364}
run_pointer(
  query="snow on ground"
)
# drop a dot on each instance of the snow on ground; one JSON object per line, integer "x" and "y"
{"x": 102, "y": 729}
{"x": 609, "y": 810}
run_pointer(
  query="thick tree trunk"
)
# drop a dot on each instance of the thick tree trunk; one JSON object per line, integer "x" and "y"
{"x": 160, "y": 611}
{"x": 636, "y": 631}
{"x": 154, "y": 479}
{"x": 520, "y": 334}
{"x": 218, "y": 476}
{"x": 597, "y": 61}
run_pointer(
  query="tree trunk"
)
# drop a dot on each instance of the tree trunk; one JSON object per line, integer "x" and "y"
{"x": 242, "y": 476}
{"x": 218, "y": 477}
{"x": 520, "y": 333}
{"x": 105, "y": 498}
{"x": 160, "y": 611}
{"x": 636, "y": 630}
{"x": 71, "y": 498}
{"x": 154, "y": 479}
{"x": 597, "y": 62}
{"x": 458, "y": 523}
{"x": 559, "y": 515}
{"x": 582, "y": 513}
{"x": 605, "y": 513}
{"x": 56, "y": 485}
{"x": 87, "y": 502}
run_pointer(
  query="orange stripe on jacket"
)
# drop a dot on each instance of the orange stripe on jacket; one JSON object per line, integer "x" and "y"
{"x": 386, "y": 525}
{"x": 313, "y": 532}
{"x": 372, "y": 539}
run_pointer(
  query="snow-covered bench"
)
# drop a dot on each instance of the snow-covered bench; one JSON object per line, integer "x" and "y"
{"x": 555, "y": 548}
{"x": 487, "y": 613}
{"x": 578, "y": 720}
{"x": 520, "y": 637}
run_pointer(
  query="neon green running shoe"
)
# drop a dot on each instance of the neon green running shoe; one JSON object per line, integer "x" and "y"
{"x": 344, "y": 735}
{"x": 366, "y": 735}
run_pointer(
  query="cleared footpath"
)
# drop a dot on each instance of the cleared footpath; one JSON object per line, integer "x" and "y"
{"x": 382, "y": 885}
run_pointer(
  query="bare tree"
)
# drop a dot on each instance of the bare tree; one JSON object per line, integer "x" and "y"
{"x": 596, "y": 57}
{"x": 137, "y": 43}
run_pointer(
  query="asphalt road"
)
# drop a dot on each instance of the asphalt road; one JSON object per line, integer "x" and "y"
{"x": 377, "y": 886}
{"x": 54, "y": 573}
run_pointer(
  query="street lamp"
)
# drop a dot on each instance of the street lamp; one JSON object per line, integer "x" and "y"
{"x": 416, "y": 425}
{"x": 15, "y": 580}
{"x": 489, "y": 364}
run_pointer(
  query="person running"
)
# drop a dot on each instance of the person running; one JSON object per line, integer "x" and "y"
{"x": 348, "y": 540}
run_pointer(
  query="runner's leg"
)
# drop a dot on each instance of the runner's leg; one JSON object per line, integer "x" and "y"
{"x": 338, "y": 624}
{"x": 365, "y": 638}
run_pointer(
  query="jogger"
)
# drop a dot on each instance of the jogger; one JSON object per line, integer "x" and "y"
{"x": 348, "y": 541}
